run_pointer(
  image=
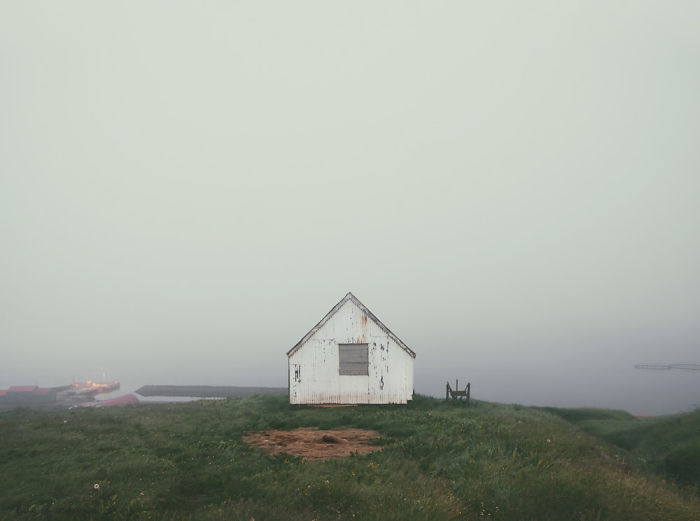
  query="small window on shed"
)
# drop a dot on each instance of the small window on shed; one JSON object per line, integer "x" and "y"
{"x": 354, "y": 359}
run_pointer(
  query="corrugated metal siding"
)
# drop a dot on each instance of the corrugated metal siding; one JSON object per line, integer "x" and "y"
{"x": 314, "y": 370}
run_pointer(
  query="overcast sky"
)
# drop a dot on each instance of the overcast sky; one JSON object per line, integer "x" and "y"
{"x": 186, "y": 188}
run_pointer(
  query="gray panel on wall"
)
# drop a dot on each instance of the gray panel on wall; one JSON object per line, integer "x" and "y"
{"x": 354, "y": 359}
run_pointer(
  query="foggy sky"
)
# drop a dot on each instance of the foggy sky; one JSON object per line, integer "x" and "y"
{"x": 512, "y": 187}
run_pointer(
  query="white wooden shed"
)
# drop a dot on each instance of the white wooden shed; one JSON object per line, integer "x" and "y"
{"x": 350, "y": 357}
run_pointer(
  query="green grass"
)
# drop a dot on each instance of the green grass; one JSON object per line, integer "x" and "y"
{"x": 668, "y": 445}
{"x": 188, "y": 462}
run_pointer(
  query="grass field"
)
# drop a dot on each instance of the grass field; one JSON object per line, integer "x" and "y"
{"x": 667, "y": 445}
{"x": 440, "y": 461}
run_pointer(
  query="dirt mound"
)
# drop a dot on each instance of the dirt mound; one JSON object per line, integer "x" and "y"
{"x": 312, "y": 444}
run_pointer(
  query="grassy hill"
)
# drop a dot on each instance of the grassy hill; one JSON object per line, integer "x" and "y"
{"x": 188, "y": 461}
{"x": 668, "y": 445}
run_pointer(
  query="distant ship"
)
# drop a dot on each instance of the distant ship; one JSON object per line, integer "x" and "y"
{"x": 75, "y": 393}
{"x": 87, "y": 390}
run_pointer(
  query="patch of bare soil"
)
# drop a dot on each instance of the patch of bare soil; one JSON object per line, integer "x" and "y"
{"x": 312, "y": 444}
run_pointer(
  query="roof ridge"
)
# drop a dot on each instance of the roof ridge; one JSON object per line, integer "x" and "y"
{"x": 365, "y": 309}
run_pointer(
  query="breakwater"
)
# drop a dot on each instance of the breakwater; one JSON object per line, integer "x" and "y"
{"x": 207, "y": 391}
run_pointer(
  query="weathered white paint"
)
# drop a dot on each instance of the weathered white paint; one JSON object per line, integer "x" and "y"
{"x": 314, "y": 363}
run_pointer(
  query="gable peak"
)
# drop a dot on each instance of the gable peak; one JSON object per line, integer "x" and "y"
{"x": 350, "y": 297}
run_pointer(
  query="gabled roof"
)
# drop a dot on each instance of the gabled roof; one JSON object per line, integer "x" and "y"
{"x": 333, "y": 311}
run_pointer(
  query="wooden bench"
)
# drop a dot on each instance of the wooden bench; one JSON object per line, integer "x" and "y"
{"x": 456, "y": 394}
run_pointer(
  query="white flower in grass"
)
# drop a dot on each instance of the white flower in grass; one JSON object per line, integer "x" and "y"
{"x": 96, "y": 486}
